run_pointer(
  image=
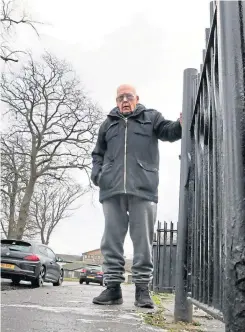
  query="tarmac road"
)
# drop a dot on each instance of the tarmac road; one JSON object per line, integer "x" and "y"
{"x": 66, "y": 309}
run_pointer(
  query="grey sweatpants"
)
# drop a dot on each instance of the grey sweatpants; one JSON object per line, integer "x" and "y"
{"x": 139, "y": 215}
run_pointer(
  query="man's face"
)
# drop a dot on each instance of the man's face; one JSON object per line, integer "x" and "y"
{"x": 126, "y": 99}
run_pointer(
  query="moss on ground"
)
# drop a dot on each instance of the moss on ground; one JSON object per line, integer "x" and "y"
{"x": 158, "y": 318}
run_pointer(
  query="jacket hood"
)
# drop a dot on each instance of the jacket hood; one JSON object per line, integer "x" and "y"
{"x": 115, "y": 111}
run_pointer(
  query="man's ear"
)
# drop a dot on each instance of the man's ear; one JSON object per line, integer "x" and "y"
{"x": 137, "y": 98}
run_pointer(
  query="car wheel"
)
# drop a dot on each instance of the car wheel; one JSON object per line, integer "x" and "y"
{"x": 80, "y": 282}
{"x": 87, "y": 282}
{"x": 38, "y": 282}
{"x": 60, "y": 280}
{"x": 15, "y": 281}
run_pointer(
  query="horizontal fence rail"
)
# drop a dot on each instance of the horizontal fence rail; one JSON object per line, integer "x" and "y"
{"x": 164, "y": 258}
{"x": 210, "y": 270}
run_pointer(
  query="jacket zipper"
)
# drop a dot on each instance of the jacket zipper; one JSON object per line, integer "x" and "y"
{"x": 125, "y": 154}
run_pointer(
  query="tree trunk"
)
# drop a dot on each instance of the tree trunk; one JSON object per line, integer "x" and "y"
{"x": 11, "y": 225}
{"x": 24, "y": 209}
{"x": 48, "y": 235}
{"x": 43, "y": 236}
{"x": 12, "y": 204}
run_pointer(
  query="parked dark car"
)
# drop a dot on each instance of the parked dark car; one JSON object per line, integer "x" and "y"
{"x": 25, "y": 260}
{"x": 92, "y": 273}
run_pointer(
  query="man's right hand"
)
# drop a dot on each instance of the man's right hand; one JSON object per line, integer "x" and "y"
{"x": 98, "y": 178}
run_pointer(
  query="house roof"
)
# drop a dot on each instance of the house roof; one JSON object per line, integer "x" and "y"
{"x": 91, "y": 251}
{"x": 69, "y": 258}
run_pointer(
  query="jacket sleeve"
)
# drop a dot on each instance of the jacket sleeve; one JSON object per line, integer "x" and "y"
{"x": 98, "y": 155}
{"x": 167, "y": 130}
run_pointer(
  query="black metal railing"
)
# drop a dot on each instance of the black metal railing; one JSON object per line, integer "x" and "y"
{"x": 164, "y": 258}
{"x": 210, "y": 268}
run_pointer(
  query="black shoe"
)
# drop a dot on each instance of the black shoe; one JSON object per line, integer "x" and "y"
{"x": 111, "y": 295}
{"x": 142, "y": 297}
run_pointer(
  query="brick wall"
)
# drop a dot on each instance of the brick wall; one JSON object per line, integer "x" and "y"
{"x": 93, "y": 257}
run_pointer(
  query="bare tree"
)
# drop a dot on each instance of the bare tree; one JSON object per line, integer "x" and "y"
{"x": 51, "y": 203}
{"x": 9, "y": 21}
{"x": 48, "y": 108}
{"x": 13, "y": 181}
{"x": 14, "y": 175}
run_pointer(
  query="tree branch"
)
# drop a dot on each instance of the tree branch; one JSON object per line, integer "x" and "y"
{"x": 53, "y": 128}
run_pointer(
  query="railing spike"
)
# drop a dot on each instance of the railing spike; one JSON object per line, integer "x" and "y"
{"x": 212, "y": 8}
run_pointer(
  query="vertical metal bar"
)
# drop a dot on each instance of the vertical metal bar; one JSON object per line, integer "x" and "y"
{"x": 231, "y": 32}
{"x": 154, "y": 264}
{"x": 158, "y": 257}
{"x": 203, "y": 247}
{"x": 192, "y": 271}
{"x": 183, "y": 310}
{"x": 164, "y": 260}
{"x": 207, "y": 34}
{"x": 171, "y": 254}
{"x": 192, "y": 188}
{"x": 201, "y": 69}
{"x": 214, "y": 202}
{"x": 209, "y": 234}
{"x": 218, "y": 182}
{"x": 212, "y": 9}
{"x": 203, "y": 55}
{"x": 201, "y": 193}
{"x": 189, "y": 187}
{"x": 198, "y": 82}
{"x": 197, "y": 211}
{"x": 206, "y": 100}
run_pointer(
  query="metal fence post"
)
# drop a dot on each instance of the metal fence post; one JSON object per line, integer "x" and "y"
{"x": 183, "y": 309}
{"x": 164, "y": 258}
{"x": 231, "y": 33}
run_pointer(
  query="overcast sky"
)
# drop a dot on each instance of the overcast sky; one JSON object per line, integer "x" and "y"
{"x": 147, "y": 43}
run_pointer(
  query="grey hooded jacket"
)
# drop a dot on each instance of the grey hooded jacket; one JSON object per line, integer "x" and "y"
{"x": 126, "y": 156}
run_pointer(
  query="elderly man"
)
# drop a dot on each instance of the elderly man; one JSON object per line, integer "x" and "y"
{"x": 125, "y": 167}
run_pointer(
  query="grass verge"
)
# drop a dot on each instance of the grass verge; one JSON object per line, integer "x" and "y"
{"x": 158, "y": 318}
{"x": 71, "y": 279}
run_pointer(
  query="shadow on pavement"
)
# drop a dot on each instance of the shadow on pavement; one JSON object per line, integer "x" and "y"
{"x": 7, "y": 285}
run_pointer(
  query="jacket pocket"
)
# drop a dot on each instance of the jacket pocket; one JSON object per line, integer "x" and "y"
{"x": 147, "y": 177}
{"x": 106, "y": 177}
{"x": 143, "y": 128}
{"x": 112, "y": 131}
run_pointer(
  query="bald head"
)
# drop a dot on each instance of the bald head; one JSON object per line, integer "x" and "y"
{"x": 126, "y": 87}
{"x": 127, "y": 98}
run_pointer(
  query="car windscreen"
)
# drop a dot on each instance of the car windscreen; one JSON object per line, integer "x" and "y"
{"x": 94, "y": 268}
{"x": 16, "y": 245}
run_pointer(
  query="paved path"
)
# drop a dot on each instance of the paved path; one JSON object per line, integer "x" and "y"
{"x": 66, "y": 309}
{"x": 69, "y": 309}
